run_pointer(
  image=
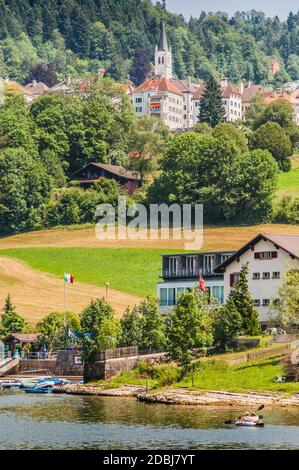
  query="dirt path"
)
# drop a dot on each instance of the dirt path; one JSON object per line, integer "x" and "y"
{"x": 215, "y": 238}
{"x": 35, "y": 294}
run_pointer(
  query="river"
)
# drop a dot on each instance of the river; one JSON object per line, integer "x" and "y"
{"x": 78, "y": 422}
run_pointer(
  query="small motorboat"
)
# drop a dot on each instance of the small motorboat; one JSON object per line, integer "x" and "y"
{"x": 10, "y": 384}
{"x": 30, "y": 382}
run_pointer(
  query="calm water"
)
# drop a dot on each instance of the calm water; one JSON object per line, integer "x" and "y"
{"x": 70, "y": 422}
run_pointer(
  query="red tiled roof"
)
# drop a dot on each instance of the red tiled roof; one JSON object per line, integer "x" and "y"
{"x": 229, "y": 90}
{"x": 198, "y": 93}
{"x": 251, "y": 91}
{"x": 274, "y": 96}
{"x": 159, "y": 84}
{"x": 37, "y": 88}
{"x": 14, "y": 86}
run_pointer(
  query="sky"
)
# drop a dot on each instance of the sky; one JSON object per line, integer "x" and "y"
{"x": 270, "y": 7}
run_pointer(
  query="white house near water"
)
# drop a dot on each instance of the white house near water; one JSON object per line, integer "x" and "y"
{"x": 269, "y": 257}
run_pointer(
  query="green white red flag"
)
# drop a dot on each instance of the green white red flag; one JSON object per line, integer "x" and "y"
{"x": 69, "y": 278}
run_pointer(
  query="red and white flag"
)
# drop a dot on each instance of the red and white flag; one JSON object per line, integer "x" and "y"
{"x": 202, "y": 286}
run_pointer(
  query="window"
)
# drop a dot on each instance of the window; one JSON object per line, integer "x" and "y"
{"x": 171, "y": 296}
{"x": 138, "y": 100}
{"x": 257, "y": 302}
{"x": 173, "y": 261}
{"x": 218, "y": 293}
{"x": 234, "y": 278}
{"x": 266, "y": 302}
{"x": 266, "y": 275}
{"x": 180, "y": 291}
{"x": 276, "y": 275}
{"x": 256, "y": 276}
{"x": 163, "y": 297}
{"x": 191, "y": 264}
{"x": 208, "y": 263}
{"x": 265, "y": 255}
{"x": 138, "y": 109}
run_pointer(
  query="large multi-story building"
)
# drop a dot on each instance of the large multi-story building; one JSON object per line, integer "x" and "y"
{"x": 164, "y": 96}
{"x": 181, "y": 272}
{"x": 269, "y": 257}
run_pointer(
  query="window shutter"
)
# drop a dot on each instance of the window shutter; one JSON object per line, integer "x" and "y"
{"x": 274, "y": 254}
{"x": 257, "y": 255}
{"x": 232, "y": 280}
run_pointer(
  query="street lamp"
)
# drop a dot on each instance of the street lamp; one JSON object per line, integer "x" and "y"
{"x": 107, "y": 284}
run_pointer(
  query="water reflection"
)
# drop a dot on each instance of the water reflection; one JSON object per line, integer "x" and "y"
{"x": 69, "y": 422}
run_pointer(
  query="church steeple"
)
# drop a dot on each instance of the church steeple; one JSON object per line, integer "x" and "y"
{"x": 163, "y": 44}
{"x": 163, "y": 56}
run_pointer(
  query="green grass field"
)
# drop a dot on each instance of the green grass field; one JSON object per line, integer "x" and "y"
{"x": 288, "y": 183}
{"x": 134, "y": 271}
{"x": 214, "y": 375}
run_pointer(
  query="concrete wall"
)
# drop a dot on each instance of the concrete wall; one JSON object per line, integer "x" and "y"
{"x": 36, "y": 364}
{"x": 102, "y": 370}
{"x": 66, "y": 363}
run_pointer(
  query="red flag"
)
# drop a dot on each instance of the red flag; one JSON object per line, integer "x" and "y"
{"x": 72, "y": 279}
{"x": 202, "y": 285}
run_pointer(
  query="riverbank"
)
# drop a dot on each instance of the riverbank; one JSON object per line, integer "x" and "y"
{"x": 183, "y": 396}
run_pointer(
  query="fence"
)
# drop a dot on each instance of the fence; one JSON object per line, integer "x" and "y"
{"x": 117, "y": 353}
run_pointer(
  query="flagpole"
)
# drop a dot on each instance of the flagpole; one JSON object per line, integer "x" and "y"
{"x": 64, "y": 301}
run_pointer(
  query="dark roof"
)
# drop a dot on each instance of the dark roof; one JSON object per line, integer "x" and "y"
{"x": 114, "y": 169}
{"x": 288, "y": 243}
{"x": 24, "y": 337}
{"x": 195, "y": 253}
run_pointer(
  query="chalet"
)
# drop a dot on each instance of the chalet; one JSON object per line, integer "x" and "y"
{"x": 269, "y": 257}
{"x": 91, "y": 173}
{"x": 37, "y": 88}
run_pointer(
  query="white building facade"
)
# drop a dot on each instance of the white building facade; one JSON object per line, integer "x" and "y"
{"x": 269, "y": 257}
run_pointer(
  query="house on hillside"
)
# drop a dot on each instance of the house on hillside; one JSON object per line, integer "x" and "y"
{"x": 249, "y": 93}
{"x": 14, "y": 88}
{"x": 269, "y": 257}
{"x": 92, "y": 172}
{"x": 181, "y": 272}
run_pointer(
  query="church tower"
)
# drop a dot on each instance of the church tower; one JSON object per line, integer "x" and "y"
{"x": 163, "y": 56}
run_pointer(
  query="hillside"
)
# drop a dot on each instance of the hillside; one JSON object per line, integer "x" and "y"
{"x": 32, "y": 266}
{"x": 77, "y": 37}
{"x": 35, "y": 294}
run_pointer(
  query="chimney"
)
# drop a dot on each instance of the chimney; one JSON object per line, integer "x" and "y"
{"x": 241, "y": 87}
{"x": 223, "y": 82}
{"x": 34, "y": 83}
{"x": 68, "y": 80}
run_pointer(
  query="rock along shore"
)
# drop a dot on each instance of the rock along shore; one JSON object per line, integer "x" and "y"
{"x": 184, "y": 396}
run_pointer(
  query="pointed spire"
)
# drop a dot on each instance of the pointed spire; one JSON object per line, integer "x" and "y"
{"x": 163, "y": 44}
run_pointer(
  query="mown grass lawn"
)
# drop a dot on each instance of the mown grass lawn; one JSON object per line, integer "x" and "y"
{"x": 212, "y": 375}
{"x": 134, "y": 271}
{"x": 258, "y": 375}
{"x": 288, "y": 183}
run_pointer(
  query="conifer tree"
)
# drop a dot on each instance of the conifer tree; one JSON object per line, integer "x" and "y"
{"x": 241, "y": 297}
{"x": 211, "y": 108}
{"x": 11, "y": 321}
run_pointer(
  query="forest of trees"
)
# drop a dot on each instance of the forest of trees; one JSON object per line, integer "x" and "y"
{"x": 77, "y": 37}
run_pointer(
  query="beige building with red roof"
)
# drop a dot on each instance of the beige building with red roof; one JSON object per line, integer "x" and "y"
{"x": 164, "y": 96}
{"x": 292, "y": 98}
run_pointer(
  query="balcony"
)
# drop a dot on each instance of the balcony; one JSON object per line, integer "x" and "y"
{"x": 188, "y": 274}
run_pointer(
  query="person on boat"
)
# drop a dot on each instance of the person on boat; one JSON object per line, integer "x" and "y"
{"x": 254, "y": 418}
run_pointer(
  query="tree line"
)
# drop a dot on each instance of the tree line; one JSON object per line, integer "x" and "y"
{"x": 231, "y": 169}
{"x": 78, "y": 37}
{"x": 197, "y": 321}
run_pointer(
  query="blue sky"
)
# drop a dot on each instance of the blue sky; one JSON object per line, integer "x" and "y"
{"x": 270, "y": 7}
